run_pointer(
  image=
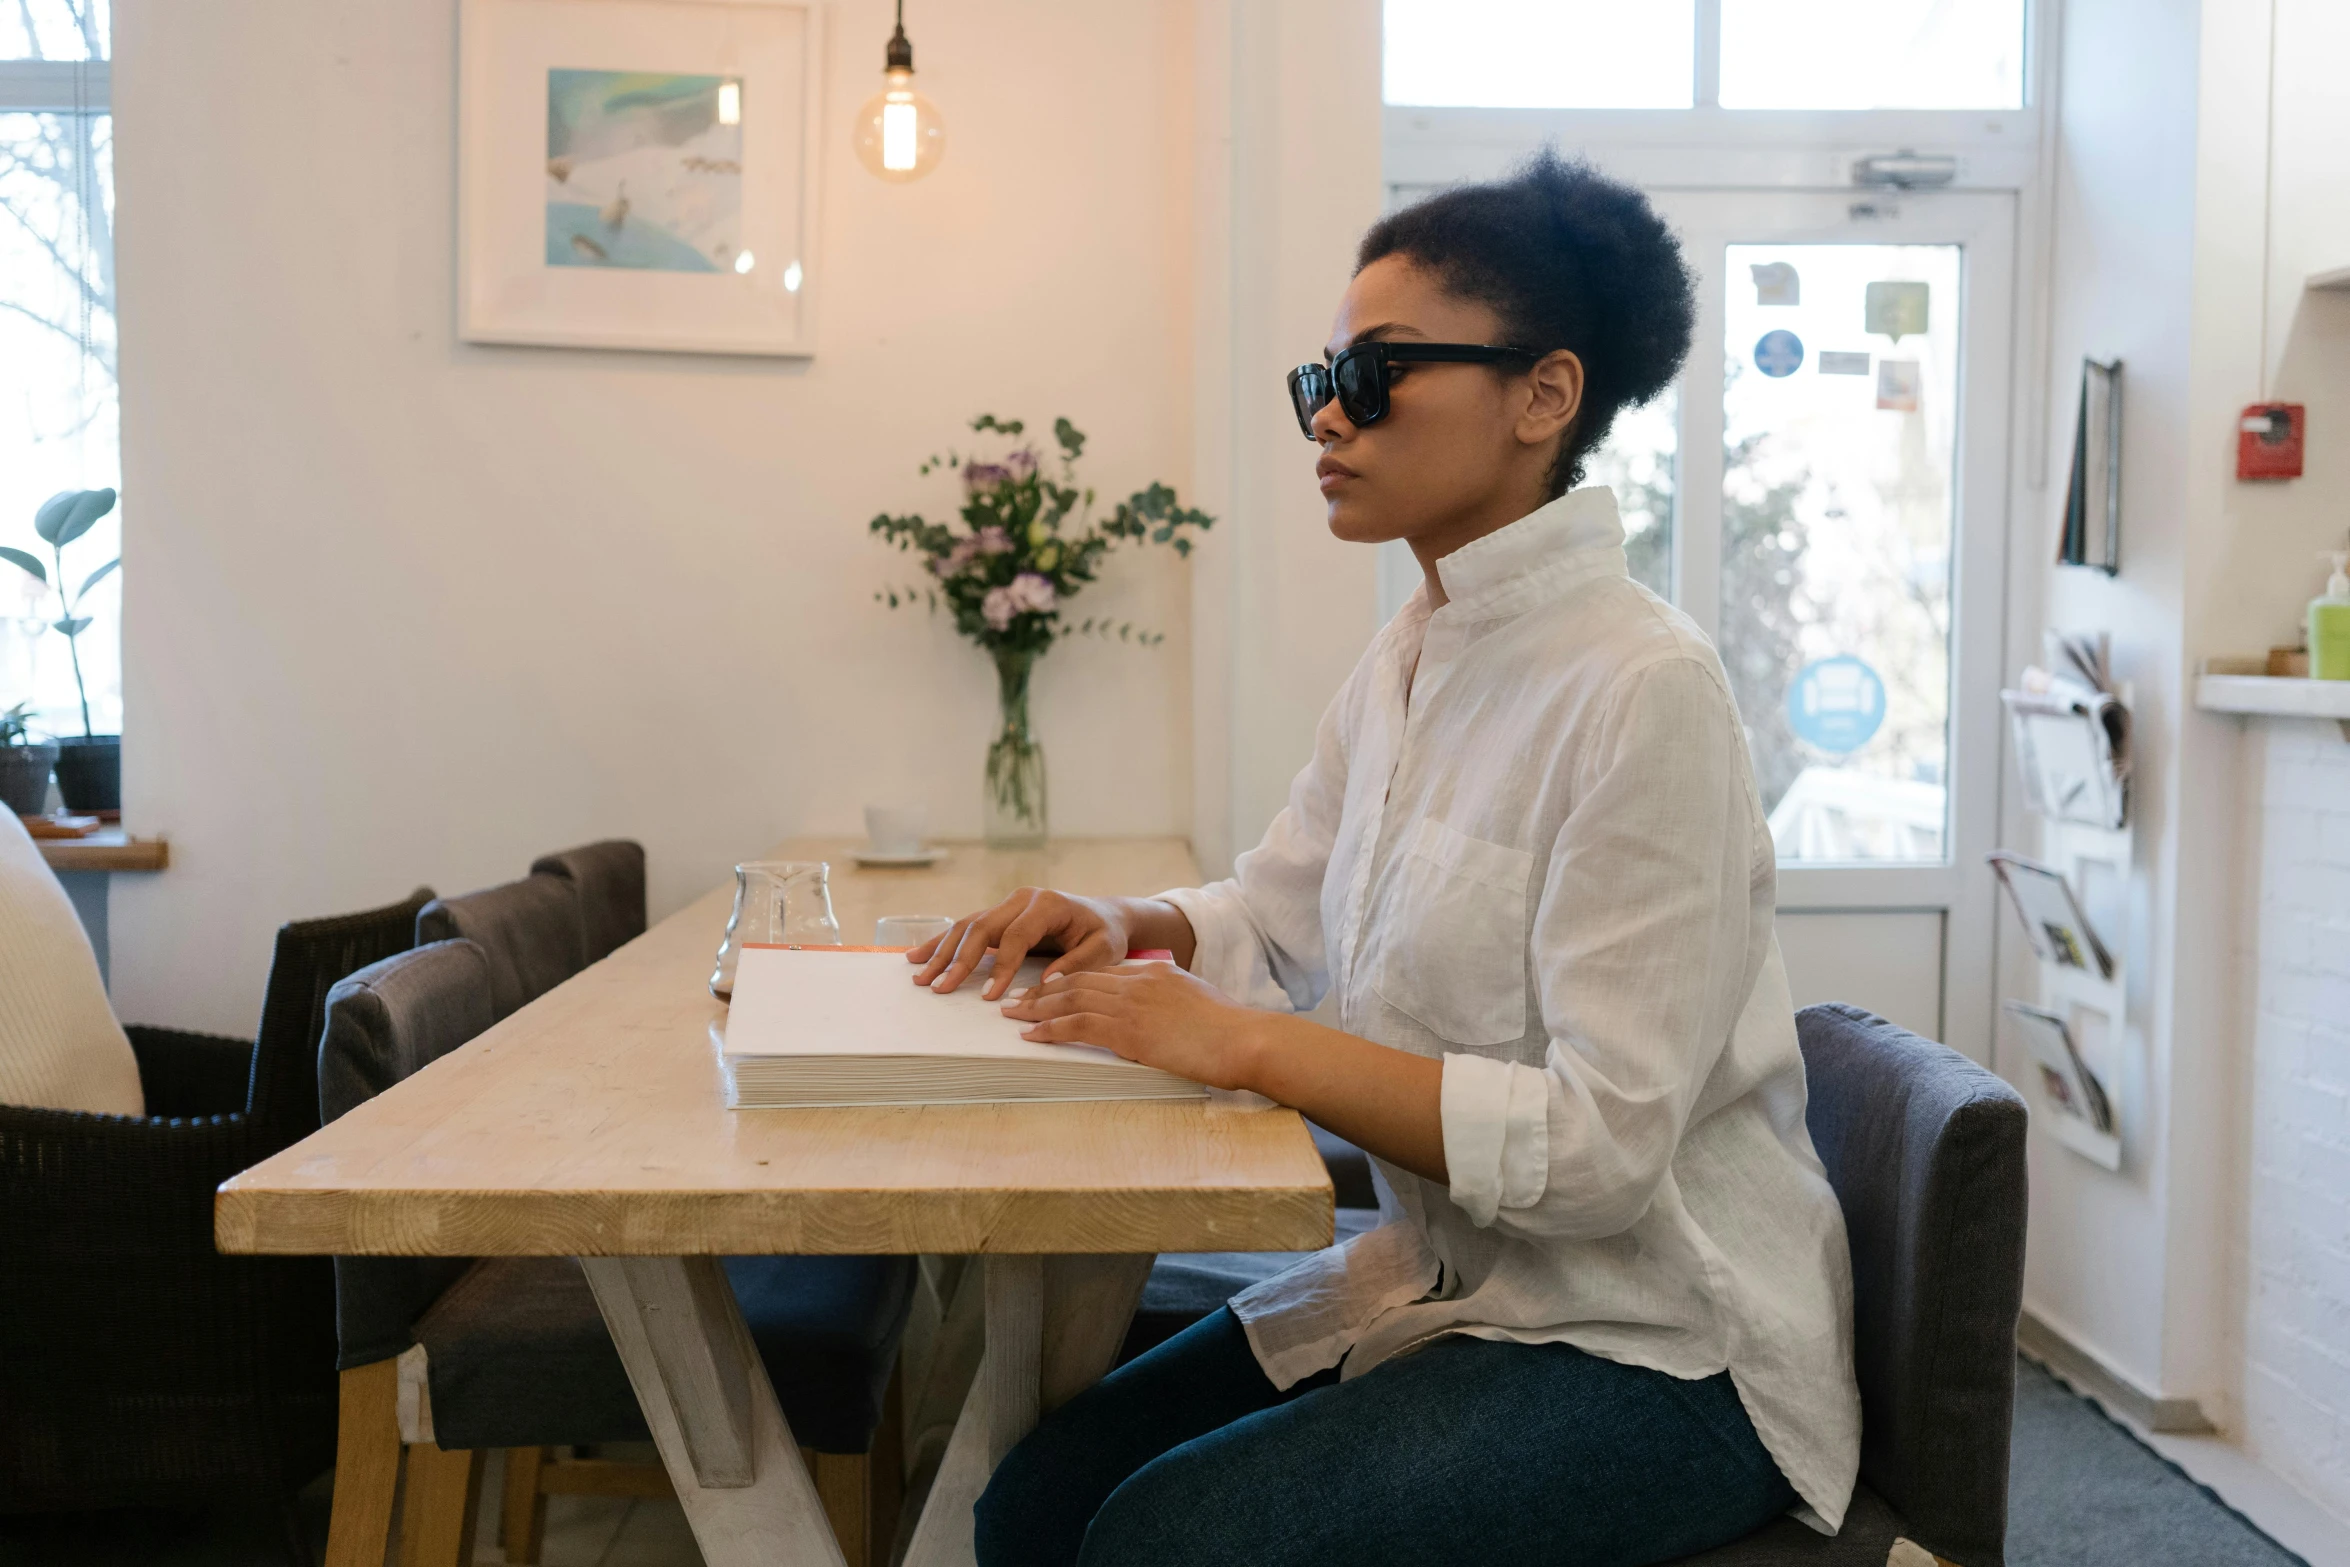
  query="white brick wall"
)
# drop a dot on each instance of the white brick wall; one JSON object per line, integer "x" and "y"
{"x": 2297, "y": 1314}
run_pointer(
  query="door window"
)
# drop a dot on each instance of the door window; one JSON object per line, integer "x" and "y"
{"x": 1839, "y": 430}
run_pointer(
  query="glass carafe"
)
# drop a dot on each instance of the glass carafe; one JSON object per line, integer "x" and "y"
{"x": 776, "y": 903}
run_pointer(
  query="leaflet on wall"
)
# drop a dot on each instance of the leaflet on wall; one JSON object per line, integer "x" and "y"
{"x": 2041, "y": 897}
{"x": 2064, "y": 1077}
{"x": 2072, "y": 734}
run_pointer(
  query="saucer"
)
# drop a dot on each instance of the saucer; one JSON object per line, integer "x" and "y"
{"x": 912, "y": 859}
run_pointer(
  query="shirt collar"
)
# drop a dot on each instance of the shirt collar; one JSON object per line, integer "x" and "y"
{"x": 1565, "y": 542}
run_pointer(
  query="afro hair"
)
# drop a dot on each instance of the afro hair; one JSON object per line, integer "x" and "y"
{"x": 1568, "y": 258}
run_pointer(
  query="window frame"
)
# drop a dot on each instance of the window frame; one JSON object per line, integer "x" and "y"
{"x": 56, "y": 87}
{"x": 1706, "y": 146}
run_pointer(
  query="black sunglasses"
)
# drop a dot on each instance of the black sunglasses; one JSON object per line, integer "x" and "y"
{"x": 1360, "y": 376}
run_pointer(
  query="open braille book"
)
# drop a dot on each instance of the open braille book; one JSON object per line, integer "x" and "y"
{"x": 835, "y": 1026}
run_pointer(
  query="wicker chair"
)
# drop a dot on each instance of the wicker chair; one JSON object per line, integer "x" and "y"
{"x": 139, "y": 1366}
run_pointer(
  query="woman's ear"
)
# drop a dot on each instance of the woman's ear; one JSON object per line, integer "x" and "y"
{"x": 1555, "y": 387}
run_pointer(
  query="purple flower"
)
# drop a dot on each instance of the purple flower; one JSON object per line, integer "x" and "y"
{"x": 1021, "y": 463}
{"x": 954, "y": 560}
{"x": 1033, "y": 592}
{"x": 985, "y": 475}
{"x": 993, "y": 540}
{"x": 997, "y": 609}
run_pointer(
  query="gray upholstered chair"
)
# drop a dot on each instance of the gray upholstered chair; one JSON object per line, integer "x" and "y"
{"x": 442, "y": 1358}
{"x": 1926, "y": 1152}
{"x": 610, "y": 877}
{"x": 530, "y": 932}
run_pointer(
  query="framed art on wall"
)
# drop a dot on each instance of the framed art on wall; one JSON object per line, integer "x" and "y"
{"x": 638, "y": 174}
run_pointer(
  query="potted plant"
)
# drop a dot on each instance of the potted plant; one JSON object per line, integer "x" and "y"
{"x": 89, "y": 769}
{"x": 1028, "y": 543}
{"x": 24, "y": 763}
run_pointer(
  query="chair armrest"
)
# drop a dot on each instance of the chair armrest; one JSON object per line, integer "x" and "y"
{"x": 186, "y": 1074}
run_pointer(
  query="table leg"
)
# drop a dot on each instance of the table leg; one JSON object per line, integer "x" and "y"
{"x": 1054, "y": 1325}
{"x": 747, "y": 1496}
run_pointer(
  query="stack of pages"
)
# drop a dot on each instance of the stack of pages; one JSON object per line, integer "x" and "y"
{"x": 828, "y": 1026}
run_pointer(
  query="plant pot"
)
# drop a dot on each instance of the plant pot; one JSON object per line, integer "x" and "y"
{"x": 89, "y": 772}
{"x": 24, "y": 776}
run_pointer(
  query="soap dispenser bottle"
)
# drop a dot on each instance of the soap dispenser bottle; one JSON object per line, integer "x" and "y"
{"x": 2329, "y": 623}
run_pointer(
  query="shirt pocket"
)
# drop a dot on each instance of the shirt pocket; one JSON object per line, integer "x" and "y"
{"x": 1454, "y": 956}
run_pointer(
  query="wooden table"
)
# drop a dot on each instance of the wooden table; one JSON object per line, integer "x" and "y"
{"x": 592, "y": 1123}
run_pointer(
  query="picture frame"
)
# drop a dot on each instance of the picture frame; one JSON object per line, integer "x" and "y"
{"x": 639, "y": 174}
{"x": 2093, "y": 496}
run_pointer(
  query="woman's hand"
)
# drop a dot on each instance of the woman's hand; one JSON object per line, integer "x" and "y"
{"x": 1088, "y": 933}
{"x": 1154, "y": 1013}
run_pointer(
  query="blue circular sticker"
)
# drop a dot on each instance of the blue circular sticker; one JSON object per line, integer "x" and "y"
{"x": 1778, "y": 353}
{"x": 1836, "y": 704}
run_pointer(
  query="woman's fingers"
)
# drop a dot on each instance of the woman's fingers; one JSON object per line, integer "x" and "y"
{"x": 1080, "y": 1028}
{"x": 1042, "y": 1003}
{"x": 1094, "y": 952}
{"x": 1031, "y": 925}
{"x": 962, "y": 948}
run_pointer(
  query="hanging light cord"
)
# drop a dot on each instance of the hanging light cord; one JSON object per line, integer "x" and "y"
{"x": 901, "y": 50}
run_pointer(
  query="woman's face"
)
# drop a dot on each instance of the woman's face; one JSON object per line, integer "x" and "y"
{"x": 1463, "y": 449}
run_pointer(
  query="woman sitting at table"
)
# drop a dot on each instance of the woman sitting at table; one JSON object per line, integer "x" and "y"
{"x": 1607, "y": 1317}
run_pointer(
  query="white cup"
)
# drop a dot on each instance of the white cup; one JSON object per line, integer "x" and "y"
{"x": 909, "y": 930}
{"x": 894, "y": 829}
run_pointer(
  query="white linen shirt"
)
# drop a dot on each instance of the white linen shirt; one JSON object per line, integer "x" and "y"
{"x": 1528, "y": 843}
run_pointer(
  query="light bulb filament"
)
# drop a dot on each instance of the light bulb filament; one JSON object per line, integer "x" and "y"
{"x": 897, "y": 135}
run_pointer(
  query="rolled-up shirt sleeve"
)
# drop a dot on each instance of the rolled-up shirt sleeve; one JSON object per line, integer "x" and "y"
{"x": 1259, "y": 932}
{"x": 1645, "y": 942}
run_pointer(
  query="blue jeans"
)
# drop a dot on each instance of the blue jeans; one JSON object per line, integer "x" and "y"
{"x": 1463, "y": 1451}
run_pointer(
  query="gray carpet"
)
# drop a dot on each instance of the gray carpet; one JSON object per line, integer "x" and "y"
{"x": 2083, "y": 1492}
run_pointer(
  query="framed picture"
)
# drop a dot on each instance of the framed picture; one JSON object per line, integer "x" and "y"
{"x": 638, "y": 174}
{"x": 2093, "y": 496}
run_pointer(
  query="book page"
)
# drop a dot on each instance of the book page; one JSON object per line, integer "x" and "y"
{"x": 819, "y": 1002}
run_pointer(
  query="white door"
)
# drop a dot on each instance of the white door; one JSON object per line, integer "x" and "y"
{"x": 1824, "y": 493}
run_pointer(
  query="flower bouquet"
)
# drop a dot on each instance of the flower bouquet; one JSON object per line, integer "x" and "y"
{"x": 1027, "y": 543}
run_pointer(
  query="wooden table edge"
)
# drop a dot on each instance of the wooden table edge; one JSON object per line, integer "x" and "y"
{"x": 1073, "y": 1221}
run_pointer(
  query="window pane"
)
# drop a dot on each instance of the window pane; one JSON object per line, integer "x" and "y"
{"x": 1840, "y": 414}
{"x": 1638, "y": 461}
{"x": 1872, "y": 54}
{"x": 57, "y": 407}
{"x": 54, "y": 29}
{"x": 1540, "y": 54}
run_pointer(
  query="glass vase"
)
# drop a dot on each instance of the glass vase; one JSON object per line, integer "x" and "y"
{"x": 1013, "y": 806}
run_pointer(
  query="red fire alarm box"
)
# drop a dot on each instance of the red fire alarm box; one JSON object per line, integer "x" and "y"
{"x": 2268, "y": 441}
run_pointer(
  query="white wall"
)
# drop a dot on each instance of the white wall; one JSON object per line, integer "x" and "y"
{"x": 2122, "y": 285}
{"x": 404, "y": 609}
{"x": 1288, "y": 178}
{"x": 2296, "y": 1333}
{"x": 2289, "y": 1344}
{"x": 2180, "y": 201}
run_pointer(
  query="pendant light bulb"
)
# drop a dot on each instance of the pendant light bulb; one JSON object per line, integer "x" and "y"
{"x": 899, "y": 134}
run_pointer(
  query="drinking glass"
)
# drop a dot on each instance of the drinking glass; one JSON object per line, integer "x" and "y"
{"x": 909, "y": 930}
{"x": 776, "y": 903}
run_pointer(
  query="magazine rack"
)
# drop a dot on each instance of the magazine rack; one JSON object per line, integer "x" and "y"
{"x": 2096, "y": 860}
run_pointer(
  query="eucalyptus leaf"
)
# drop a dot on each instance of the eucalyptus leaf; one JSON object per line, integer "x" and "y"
{"x": 88, "y": 506}
{"x": 52, "y": 515}
{"x": 73, "y": 627}
{"x": 19, "y": 558}
{"x": 95, "y": 577}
